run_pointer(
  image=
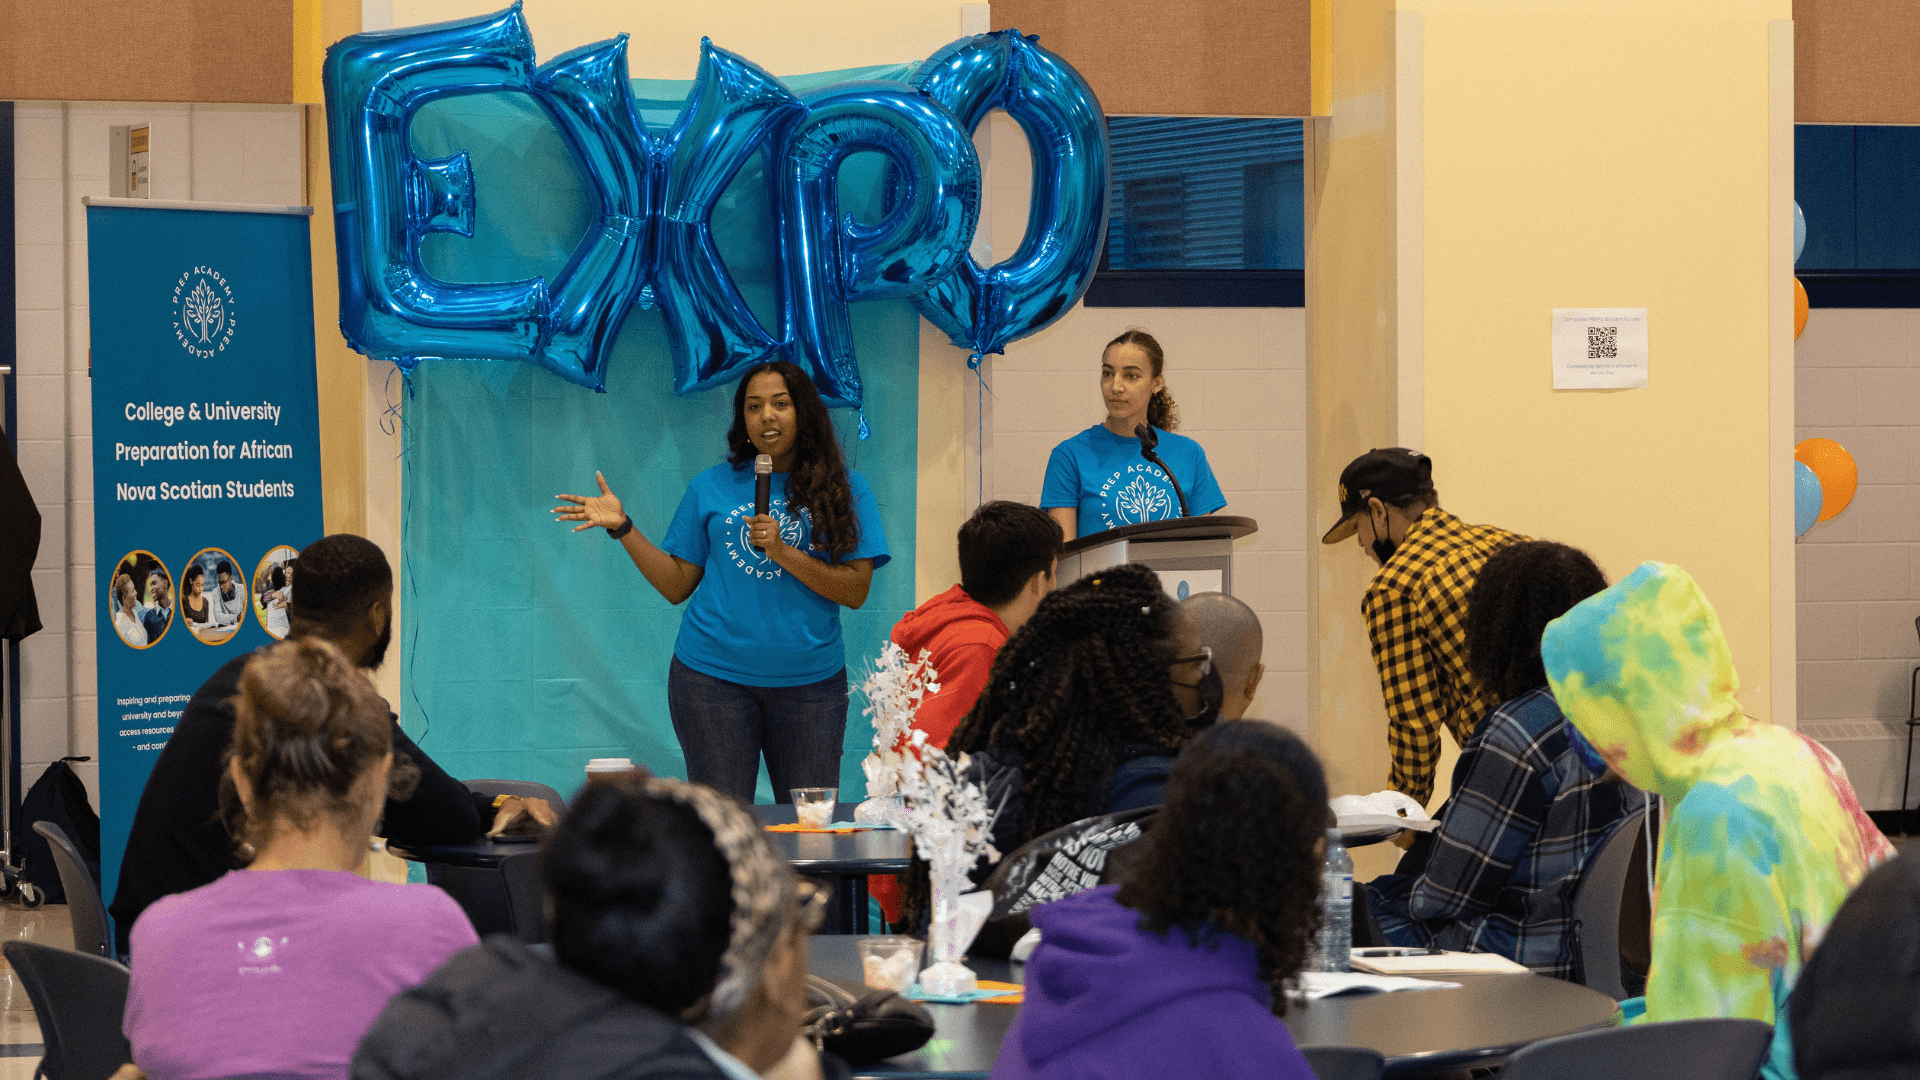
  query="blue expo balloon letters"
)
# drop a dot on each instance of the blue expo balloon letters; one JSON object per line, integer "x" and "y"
{"x": 650, "y": 241}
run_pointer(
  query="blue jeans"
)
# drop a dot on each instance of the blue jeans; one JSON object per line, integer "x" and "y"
{"x": 725, "y": 726}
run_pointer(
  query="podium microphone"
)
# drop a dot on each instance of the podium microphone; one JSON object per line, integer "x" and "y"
{"x": 1149, "y": 439}
{"x": 762, "y": 483}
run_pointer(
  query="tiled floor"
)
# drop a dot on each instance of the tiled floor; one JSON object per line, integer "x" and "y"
{"x": 18, "y": 1028}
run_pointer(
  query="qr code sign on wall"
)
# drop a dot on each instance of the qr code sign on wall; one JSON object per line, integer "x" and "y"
{"x": 1603, "y": 343}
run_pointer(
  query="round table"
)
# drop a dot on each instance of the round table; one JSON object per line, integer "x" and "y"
{"x": 846, "y": 858}
{"x": 1477, "y": 1023}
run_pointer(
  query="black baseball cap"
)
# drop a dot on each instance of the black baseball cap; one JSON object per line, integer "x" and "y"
{"x": 1393, "y": 473}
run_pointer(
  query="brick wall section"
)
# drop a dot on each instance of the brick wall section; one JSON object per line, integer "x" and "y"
{"x": 212, "y": 153}
{"x": 1858, "y": 383}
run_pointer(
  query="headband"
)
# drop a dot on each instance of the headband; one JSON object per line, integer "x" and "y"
{"x": 762, "y": 884}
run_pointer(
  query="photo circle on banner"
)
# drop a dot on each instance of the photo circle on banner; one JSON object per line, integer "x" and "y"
{"x": 140, "y": 599}
{"x": 273, "y": 589}
{"x": 222, "y": 609}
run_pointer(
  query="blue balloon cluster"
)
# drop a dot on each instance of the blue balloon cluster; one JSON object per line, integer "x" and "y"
{"x": 650, "y": 240}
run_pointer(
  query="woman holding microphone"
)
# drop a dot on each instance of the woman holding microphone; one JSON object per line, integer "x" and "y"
{"x": 759, "y": 666}
{"x": 1100, "y": 480}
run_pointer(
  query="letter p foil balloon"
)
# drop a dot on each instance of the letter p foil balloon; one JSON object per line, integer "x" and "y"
{"x": 386, "y": 199}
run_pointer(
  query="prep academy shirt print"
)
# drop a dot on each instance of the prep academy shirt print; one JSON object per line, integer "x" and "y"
{"x": 1106, "y": 479}
{"x": 750, "y": 621}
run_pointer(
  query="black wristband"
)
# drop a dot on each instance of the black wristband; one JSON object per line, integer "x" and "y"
{"x": 625, "y": 528}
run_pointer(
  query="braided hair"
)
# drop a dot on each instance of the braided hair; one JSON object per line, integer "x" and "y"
{"x": 1084, "y": 682}
{"x": 1519, "y": 590}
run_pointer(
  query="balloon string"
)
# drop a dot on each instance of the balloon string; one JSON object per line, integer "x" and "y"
{"x": 406, "y": 559}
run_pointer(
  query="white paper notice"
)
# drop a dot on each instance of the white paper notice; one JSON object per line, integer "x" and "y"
{"x": 1599, "y": 348}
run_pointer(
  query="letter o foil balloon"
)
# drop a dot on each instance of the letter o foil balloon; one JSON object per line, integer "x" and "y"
{"x": 981, "y": 309}
{"x": 1806, "y": 498}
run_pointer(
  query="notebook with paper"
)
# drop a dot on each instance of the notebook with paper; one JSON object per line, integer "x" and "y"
{"x": 1432, "y": 962}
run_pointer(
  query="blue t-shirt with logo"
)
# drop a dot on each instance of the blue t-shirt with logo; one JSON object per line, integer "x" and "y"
{"x": 1105, "y": 478}
{"x": 750, "y": 621}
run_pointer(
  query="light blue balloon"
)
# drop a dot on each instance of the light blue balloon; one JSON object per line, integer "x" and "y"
{"x": 1799, "y": 231}
{"x": 1806, "y": 498}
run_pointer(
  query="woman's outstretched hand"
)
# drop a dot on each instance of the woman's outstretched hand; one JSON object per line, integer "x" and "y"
{"x": 600, "y": 511}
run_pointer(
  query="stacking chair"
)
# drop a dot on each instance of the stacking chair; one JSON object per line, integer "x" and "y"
{"x": 83, "y": 893}
{"x": 80, "y": 1001}
{"x": 525, "y": 789}
{"x": 1596, "y": 908}
{"x": 1674, "y": 1050}
{"x": 1344, "y": 1062}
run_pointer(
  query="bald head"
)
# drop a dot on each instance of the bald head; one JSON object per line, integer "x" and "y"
{"x": 1231, "y": 629}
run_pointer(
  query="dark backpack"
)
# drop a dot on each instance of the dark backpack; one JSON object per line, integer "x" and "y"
{"x": 60, "y": 797}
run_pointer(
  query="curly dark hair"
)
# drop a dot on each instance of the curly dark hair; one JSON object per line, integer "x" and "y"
{"x": 1082, "y": 682}
{"x": 818, "y": 483}
{"x": 1521, "y": 589}
{"x": 1235, "y": 848}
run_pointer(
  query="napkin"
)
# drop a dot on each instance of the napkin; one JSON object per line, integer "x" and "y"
{"x": 994, "y": 993}
{"x": 836, "y": 827}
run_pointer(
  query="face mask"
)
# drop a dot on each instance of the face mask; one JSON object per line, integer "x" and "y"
{"x": 1212, "y": 692}
{"x": 1383, "y": 549}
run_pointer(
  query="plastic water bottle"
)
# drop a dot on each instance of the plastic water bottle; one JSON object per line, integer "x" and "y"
{"x": 1333, "y": 948}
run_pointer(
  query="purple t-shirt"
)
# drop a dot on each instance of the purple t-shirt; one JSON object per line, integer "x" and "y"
{"x": 279, "y": 971}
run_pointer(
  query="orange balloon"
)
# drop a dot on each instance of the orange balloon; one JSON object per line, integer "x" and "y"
{"x": 1836, "y": 470}
{"x": 1800, "y": 311}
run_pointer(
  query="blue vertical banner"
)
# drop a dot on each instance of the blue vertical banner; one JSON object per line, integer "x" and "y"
{"x": 206, "y": 461}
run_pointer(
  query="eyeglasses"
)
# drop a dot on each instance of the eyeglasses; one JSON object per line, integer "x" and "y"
{"x": 812, "y": 896}
{"x": 1204, "y": 656}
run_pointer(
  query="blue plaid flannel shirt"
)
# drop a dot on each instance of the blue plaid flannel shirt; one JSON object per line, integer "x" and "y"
{"x": 1500, "y": 873}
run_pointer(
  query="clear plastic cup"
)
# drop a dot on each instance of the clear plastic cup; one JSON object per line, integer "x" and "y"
{"x": 813, "y": 806}
{"x": 607, "y": 768}
{"x": 890, "y": 963}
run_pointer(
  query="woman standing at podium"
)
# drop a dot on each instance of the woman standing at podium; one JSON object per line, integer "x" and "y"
{"x": 1100, "y": 480}
{"x": 759, "y": 664}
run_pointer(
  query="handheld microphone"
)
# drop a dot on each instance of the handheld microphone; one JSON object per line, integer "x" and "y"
{"x": 1149, "y": 439}
{"x": 762, "y": 484}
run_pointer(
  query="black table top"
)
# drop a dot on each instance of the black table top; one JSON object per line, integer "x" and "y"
{"x": 483, "y": 853}
{"x": 875, "y": 851}
{"x": 1419, "y": 1031}
{"x": 965, "y": 1037}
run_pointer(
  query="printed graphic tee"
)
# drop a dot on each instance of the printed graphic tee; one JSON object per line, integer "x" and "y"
{"x": 750, "y": 621}
{"x": 279, "y": 972}
{"x": 1106, "y": 479}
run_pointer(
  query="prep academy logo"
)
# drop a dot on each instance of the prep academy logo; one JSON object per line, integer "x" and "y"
{"x": 203, "y": 320}
{"x": 1133, "y": 495}
{"x": 751, "y": 560}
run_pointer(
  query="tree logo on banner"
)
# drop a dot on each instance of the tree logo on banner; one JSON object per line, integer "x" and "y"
{"x": 203, "y": 312}
{"x": 651, "y": 243}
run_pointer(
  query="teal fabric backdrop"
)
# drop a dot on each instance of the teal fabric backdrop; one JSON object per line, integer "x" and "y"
{"x": 528, "y": 649}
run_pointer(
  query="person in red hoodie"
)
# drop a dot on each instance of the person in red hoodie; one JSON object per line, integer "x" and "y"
{"x": 1008, "y": 554}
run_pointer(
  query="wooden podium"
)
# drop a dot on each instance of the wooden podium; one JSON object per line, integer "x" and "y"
{"x": 1192, "y": 554}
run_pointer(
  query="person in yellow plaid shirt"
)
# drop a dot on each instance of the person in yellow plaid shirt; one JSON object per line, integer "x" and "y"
{"x": 1416, "y": 606}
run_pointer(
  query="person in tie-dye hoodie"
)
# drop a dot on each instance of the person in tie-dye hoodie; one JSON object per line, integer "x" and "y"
{"x": 1764, "y": 836}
